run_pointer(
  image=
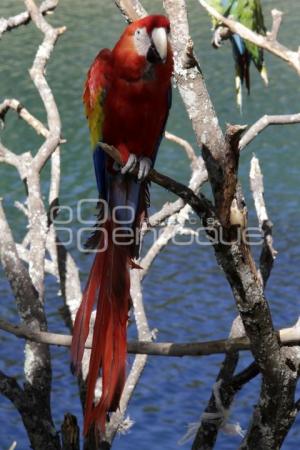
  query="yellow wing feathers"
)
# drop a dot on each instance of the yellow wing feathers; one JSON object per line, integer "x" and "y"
{"x": 94, "y": 95}
{"x": 95, "y": 116}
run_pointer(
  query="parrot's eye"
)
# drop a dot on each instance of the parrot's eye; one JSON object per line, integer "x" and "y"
{"x": 142, "y": 41}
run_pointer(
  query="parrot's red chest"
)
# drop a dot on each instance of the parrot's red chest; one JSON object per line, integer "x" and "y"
{"x": 134, "y": 112}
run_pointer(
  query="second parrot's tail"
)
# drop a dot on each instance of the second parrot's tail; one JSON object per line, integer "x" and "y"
{"x": 109, "y": 285}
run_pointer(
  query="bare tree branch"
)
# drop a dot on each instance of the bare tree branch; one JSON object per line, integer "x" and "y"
{"x": 131, "y": 9}
{"x": 198, "y": 178}
{"x": 8, "y": 157}
{"x": 268, "y": 253}
{"x": 11, "y": 389}
{"x": 15, "y": 105}
{"x": 236, "y": 260}
{"x": 277, "y": 19}
{"x": 13, "y": 446}
{"x": 24, "y": 255}
{"x": 28, "y": 285}
{"x": 37, "y": 367}
{"x": 286, "y": 336}
{"x": 264, "y": 122}
{"x": 23, "y": 18}
{"x": 207, "y": 432}
{"x": 37, "y": 74}
{"x": 199, "y": 107}
{"x": 186, "y": 146}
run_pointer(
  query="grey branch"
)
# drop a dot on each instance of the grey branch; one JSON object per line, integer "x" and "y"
{"x": 286, "y": 336}
{"x": 268, "y": 253}
{"x": 13, "y": 446}
{"x": 200, "y": 110}
{"x": 230, "y": 384}
{"x": 37, "y": 74}
{"x": 131, "y": 9}
{"x": 23, "y": 18}
{"x": 28, "y": 284}
{"x": 236, "y": 260}
{"x": 37, "y": 357}
{"x": 186, "y": 146}
{"x": 11, "y": 389}
{"x": 15, "y": 105}
{"x": 264, "y": 122}
{"x": 268, "y": 42}
{"x": 277, "y": 19}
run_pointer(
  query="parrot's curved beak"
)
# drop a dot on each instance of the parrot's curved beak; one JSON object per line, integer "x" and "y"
{"x": 157, "y": 52}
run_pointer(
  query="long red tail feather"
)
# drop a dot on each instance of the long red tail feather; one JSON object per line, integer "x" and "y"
{"x": 83, "y": 316}
{"x": 109, "y": 284}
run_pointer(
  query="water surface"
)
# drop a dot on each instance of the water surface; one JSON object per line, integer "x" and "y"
{"x": 186, "y": 295}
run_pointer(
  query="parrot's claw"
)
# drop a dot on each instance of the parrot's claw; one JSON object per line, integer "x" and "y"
{"x": 130, "y": 165}
{"x": 217, "y": 38}
{"x": 220, "y": 34}
{"x": 145, "y": 165}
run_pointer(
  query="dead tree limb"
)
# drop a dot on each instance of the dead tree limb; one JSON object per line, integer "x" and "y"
{"x": 28, "y": 283}
{"x": 263, "y": 123}
{"x": 236, "y": 259}
{"x": 144, "y": 346}
{"x": 24, "y": 18}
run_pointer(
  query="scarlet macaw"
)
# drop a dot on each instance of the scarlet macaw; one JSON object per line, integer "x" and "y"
{"x": 127, "y": 99}
{"x": 249, "y": 13}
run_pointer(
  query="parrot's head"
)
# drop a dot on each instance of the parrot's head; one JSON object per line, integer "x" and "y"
{"x": 144, "y": 47}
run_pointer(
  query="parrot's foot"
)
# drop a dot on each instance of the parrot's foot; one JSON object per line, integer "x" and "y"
{"x": 217, "y": 38}
{"x": 220, "y": 34}
{"x": 145, "y": 165}
{"x": 130, "y": 165}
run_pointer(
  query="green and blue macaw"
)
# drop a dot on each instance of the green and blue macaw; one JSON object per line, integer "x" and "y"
{"x": 248, "y": 13}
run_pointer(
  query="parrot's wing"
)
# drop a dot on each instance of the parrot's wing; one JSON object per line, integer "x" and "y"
{"x": 95, "y": 91}
{"x": 223, "y": 7}
{"x": 249, "y": 13}
{"x": 242, "y": 62}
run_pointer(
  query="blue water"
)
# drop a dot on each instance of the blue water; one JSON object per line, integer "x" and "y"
{"x": 186, "y": 295}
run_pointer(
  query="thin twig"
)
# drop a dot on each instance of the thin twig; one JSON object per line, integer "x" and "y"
{"x": 277, "y": 19}
{"x": 268, "y": 254}
{"x": 13, "y": 446}
{"x": 185, "y": 145}
{"x": 264, "y": 122}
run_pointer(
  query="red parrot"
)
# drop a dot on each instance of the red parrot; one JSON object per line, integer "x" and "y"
{"x": 127, "y": 97}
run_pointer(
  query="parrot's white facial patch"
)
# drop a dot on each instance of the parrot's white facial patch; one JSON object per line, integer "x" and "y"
{"x": 142, "y": 41}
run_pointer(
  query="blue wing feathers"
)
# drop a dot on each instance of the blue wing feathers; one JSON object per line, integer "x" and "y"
{"x": 99, "y": 158}
{"x": 238, "y": 44}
